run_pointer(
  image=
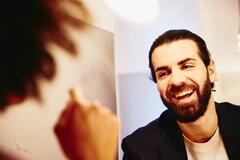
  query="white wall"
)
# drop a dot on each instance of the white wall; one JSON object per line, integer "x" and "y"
{"x": 219, "y": 25}
{"x": 132, "y": 40}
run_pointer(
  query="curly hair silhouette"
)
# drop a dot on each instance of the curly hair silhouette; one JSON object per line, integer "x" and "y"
{"x": 26, "y": 27}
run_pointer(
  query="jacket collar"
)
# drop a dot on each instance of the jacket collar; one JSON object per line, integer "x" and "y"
{"x": 172, "y": 146}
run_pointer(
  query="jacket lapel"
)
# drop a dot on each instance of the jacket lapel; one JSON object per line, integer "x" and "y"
{"x": 172, "y": 147}
{"x": 169, "y": 151}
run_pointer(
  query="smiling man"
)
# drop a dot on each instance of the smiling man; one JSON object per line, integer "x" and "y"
{"x": 194, "y": 126}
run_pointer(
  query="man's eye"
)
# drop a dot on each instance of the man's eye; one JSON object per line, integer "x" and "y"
{"x": 162, "y": 74}
{"x": 186, "y": 66}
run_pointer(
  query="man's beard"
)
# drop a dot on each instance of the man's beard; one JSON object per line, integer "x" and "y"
{"x": 189, "y": 112}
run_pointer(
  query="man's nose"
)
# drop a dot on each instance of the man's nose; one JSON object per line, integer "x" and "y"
{"x": 177, "y": 78}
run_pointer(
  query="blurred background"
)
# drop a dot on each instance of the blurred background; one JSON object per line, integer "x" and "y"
{"x": 113, "y": 67}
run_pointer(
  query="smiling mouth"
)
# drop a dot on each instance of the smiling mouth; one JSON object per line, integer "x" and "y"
{"x": 183, "y": 94}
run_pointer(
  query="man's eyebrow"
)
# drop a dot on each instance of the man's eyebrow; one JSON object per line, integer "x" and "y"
{"x": 161, "y": 68}
{"x": 185, "y": 60}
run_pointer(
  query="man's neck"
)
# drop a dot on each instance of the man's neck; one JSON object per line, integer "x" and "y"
{"x": 202, "y": 129}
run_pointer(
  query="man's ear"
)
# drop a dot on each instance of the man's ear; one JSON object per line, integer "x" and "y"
{"x": 212, "y": 71}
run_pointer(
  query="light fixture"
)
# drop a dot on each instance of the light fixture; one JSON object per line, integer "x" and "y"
{"x": 139, "y": 11}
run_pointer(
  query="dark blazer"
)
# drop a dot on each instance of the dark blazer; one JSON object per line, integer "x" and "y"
{"x": 162, "y": 139}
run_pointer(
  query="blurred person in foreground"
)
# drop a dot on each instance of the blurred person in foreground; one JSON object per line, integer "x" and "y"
{"x": 85, "y": 130}
{"x": 194, "y": 126}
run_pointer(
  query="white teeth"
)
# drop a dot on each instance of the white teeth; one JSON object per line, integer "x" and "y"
{"x": 183, "y": 93}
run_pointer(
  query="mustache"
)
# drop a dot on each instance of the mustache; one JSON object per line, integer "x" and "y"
{"x": 173, "y": 89}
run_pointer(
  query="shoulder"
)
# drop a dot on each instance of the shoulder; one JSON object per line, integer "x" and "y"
{"x": 151, "y": 129}
{"x": 228, "y": 108}
{"x": 228, "y": 111}
{"x": 144, "y": 141}
{"x": 159, "y": 136}
{"x": 152, "y": 134}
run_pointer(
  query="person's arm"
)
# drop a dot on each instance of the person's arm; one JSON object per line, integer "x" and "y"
{"x": 87, "y": 131}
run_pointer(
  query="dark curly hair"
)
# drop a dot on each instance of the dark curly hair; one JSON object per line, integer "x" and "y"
{"x": 175, "y": 35}
{"x": 26, "y": 26}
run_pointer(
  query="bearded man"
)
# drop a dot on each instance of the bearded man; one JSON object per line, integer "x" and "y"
{"x": 194, "y": 126}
